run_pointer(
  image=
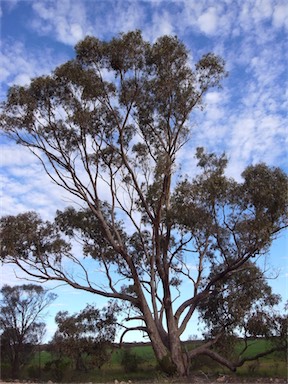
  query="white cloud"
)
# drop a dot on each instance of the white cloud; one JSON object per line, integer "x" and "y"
{"x": 214, "y": 97}
{"x": 11, "y": 275}
{"x": 255, "y": 139}
{"x": 66, "y": 20}
{"x": 280, "y": 15}
{"x": 161, "y": 24}
{"x": 26, "y": 186}
{"x": 10, "y": 205}
{"x": 207, "y": 22}
{"x": 16, "y": 156}
{"x": 69, "y": 21}
{"x": 261, "y": 10}
{"x": 123, "y": 17}
{"x": 76, "y": 31}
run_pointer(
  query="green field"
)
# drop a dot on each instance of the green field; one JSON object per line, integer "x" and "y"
{"x": 269, "y": 366}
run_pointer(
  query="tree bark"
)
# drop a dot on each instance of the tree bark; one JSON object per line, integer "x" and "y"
{"x": 15, "y": 367}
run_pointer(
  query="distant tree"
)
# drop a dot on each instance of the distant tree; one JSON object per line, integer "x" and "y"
{"x": 86, "y": 337}
{"x": 20, "y": 322}
{"x": 107, "y": 127}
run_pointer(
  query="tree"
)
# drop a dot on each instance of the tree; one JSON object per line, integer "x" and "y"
{"x": 86, "y": 337}
{"x": 20, "y": 322}
{"x": 112, "y": 143}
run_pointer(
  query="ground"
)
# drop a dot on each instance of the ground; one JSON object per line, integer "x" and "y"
{"x": 193, "y": 380}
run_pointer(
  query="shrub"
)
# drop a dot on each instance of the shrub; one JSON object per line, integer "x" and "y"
{"x": 130, "y": 360}
{"x": 5, "y": 370}
{"x": 57, "y": 369}
{"x": 167, "y": 366}
{"x": 34, "y": 372}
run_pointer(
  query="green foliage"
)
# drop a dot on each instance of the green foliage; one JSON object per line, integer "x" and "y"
{"x": 238, "y": 301}
{"x": 81, "y": 223}
{"x": 85, "y": 337}
{"x": 57, "y": 368}
{"x": 34, "y": 372}
{"x": 29, "y": 236}
{"x": 5, "y": 369}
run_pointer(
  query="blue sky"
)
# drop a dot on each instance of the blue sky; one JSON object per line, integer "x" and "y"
{"x": 247, "y": 118}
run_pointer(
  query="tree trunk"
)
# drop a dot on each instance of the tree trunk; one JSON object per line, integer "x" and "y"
{"x": 174, "y": 361}
{"x": 158, "y": 344}
{"x": 15, "y": 367}
{"x": 168, "y": 353}
{"x": 178, "y": 358}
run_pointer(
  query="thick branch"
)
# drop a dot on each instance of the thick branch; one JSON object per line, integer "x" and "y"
{"x": 143, "y": 329}
{"x": 262, "y": 354}
{"x": 220, "y": 359}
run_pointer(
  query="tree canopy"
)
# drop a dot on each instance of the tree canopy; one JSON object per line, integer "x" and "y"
{"x": 107, "y": 127}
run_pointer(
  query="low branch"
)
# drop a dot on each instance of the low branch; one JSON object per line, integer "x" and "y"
{"x": 220, "y": 359}
{"x": 199, "y": 350}
{"x": 205, "y": 350}
{"x": 262, "y": 354}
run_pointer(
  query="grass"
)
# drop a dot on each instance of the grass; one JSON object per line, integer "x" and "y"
{"x": 272, "y": 365}
{"x": 44, "y": 358}
{"x": 255, "y": 346}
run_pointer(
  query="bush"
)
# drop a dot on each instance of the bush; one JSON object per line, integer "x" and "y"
{"x": 130, "y": 360}
{"x": 5, "y": 371}
{"x": 34, "y": 372}
{"x": 57, "y": 369}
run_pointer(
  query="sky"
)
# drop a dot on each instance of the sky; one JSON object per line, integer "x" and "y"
{"x": 247, "y": 118}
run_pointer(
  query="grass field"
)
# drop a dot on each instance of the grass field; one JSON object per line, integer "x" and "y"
{"x": 269, "y": 366}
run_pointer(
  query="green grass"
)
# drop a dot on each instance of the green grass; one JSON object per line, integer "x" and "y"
{"x": 255, "y": 346}
{"x": 45, "y": 357}
{"x": 272, "y": 365}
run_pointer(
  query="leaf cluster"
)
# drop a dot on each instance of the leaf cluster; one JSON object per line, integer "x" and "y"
{"x": 29, "y": 236}
{"x": 236, "y": 219}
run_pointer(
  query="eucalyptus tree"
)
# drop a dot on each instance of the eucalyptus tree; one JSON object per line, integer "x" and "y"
{"x": 21, "y": 322}
{"x": 108, "y": 126}
{"x": 86, "y": 337}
